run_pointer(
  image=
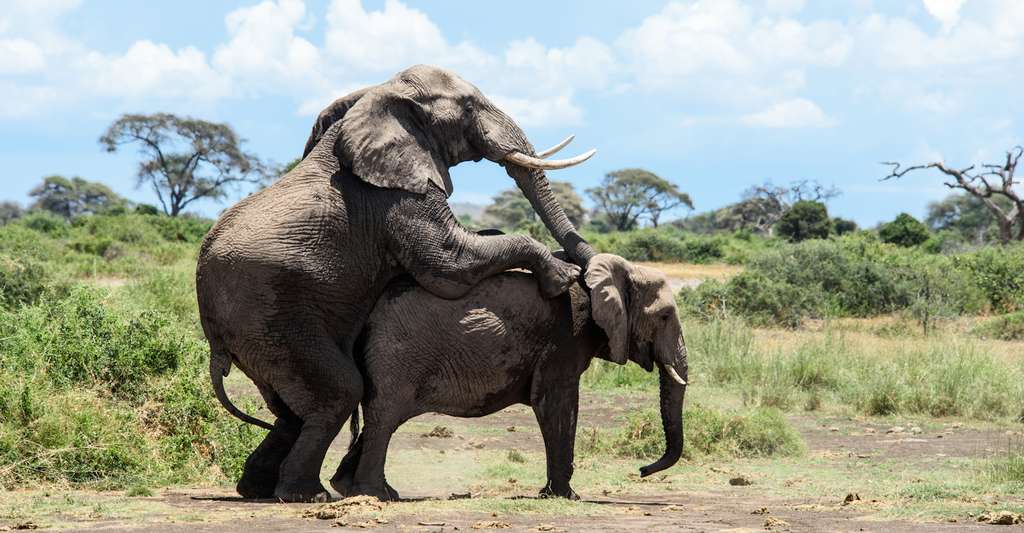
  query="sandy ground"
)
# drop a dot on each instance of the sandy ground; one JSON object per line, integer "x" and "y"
{"x": 441, "y": 480}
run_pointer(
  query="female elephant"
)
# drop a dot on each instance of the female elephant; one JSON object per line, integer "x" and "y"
{"x": 287, "y": 277}
{"x": 503, "y": 343}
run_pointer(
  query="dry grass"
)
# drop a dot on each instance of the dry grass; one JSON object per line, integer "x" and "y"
{"x": 717, "y": 271}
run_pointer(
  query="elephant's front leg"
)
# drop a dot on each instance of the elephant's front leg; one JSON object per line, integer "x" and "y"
{"x": 556, "y": 409}
{"x": 448, "y": 260}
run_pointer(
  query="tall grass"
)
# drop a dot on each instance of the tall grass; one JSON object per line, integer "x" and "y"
{"x": 943, "y": 376}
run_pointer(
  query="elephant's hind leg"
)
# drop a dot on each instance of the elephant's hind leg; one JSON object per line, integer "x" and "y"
{"x": 322, "y": 387}
{"x": 369, "y": 472}
{"x": 260, "y": 474}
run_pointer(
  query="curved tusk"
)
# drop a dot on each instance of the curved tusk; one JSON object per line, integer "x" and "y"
{"x": 674, "y": 375}
{"x": 554, "y": 149}
{"x": 527, "y": 161}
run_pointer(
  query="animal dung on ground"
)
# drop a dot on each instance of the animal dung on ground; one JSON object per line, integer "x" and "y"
{"x": 440, "y": 432}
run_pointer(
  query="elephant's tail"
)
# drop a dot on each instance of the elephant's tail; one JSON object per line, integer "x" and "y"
{"x": 353, "y": 427}
{"x": 220, "y": 365}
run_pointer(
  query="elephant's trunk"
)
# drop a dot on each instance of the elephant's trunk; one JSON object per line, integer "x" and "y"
{"x": 536, "y": 188}
{"x": 501, "y": 137}
{"x": 671, "y": 402}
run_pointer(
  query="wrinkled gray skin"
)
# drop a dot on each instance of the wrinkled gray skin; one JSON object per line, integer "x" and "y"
{"x": 287, "y": 277}
{"x": 504, "y": 343}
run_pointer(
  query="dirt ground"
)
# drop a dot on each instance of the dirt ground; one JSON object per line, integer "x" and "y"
{"x": 463, "y": 480}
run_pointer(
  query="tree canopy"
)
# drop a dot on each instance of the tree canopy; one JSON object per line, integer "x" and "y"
{"x": 186, "y": 159}
{"x": 511, "y": 209}
{"x": 966, "y": 215}
{"x": 807, "y": 219}
{"x": 993, "y": 184}
{"x": 630, "y": 195}
{"x": 905, "y": 231}
{"x": 73, "y": 197}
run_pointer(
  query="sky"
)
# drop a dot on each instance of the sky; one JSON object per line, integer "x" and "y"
{"x": 714, "y": 95}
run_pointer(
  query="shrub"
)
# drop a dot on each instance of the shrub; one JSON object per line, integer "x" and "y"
{"x": 1009, "y": 327}
{"x": 77, "y": 341}
{"x": 998, "y": 272}
{"x": 45, "y": 222}
{"x": 22, "y": 281}
{"x": 806, "y": 219}
{"x": 905, "y": 231}
{"x": 760, "y": 432}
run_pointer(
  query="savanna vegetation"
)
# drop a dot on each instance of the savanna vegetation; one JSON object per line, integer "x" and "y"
{"x": 103, "y": 366}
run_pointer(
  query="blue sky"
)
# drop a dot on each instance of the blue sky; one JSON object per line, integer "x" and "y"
{"x": 715, "y": 95}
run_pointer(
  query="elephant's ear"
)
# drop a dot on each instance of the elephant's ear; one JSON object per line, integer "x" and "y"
{"x": 607, "y": 277}
{"x": 329, "y": 116}
{"x": 385, "y": 142}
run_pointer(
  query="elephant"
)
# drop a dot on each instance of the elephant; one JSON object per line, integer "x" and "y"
{"x": 287, "y": 277}
{"x": 503, "y": 343}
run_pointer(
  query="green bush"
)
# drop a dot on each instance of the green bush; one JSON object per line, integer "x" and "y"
{"x": 77, "y": 341}
{"x": 22, "y": 281}
{"x": 805, "y": 220}
{"x": 663, "y": 244}
{"x": 904, "y": 231}
{"x": 45, "y": 222}
{"x": 1009, "y": 327}
{"x": 998, "y": 272}
{"x": 760, "y": 432}
{"x": 856, "y": 276}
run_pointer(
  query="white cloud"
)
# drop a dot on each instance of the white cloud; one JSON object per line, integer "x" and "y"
{"x": 795, "y": 113}
{"x": 557, "y": 110}
{"x": 391, "y": 39}
{"x": 19, "y": 56}
{"x": 150, "y": 70}
{"x": 264, "y": 48}
{"x": 945, "y": 11}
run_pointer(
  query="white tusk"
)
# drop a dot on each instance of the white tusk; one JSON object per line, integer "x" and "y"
{"x": 554, "y": 149}
{"x": 675, "y": 376}
{"x": 547, "y": 164}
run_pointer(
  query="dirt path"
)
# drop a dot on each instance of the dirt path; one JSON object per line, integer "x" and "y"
{"x": 471, "y": 456}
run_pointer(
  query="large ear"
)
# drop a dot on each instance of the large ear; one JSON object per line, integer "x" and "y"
{"x": 384, "y": 140}
{"x": 606, "y": 277}
{"x": 329, "y": 116}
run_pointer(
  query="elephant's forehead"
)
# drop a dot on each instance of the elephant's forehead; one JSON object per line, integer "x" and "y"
{"x": 436, "y": 78}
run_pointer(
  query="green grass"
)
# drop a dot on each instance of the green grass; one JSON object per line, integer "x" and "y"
{"x": 107, "y": 387}
{"x": 939, "y": 377}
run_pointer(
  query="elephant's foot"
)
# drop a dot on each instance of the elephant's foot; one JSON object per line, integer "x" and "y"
{"x": 255, "y": 487}
{"x": 557, "y": 278}
{"x": 304, "y": 493}
{"x": 258, "y": 480}
{"x": 559, "y": 491}
{"x": 343, "y": 484}
{"x": 382, "y": 492}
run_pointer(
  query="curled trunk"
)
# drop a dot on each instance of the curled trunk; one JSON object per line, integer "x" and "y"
{"x": 671, "y": 403}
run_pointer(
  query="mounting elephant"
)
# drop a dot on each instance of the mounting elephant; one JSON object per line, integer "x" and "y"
{"x": 287, "y": 277}
{"x": 504, "y": 343}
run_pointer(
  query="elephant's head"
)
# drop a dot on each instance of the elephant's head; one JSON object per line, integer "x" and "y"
{"x": 407, "y": 132}
{"x": 635, "y": 307}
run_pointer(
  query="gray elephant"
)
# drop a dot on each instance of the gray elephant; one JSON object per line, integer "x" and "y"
{"x": 504, "y": 343}
{"x": 287, "y": 277}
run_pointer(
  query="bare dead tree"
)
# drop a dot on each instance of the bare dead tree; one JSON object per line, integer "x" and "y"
{"x": 985, "y": 183}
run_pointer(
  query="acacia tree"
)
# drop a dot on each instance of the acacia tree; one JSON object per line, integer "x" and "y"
{"x": 73, "y": 197}
{"x": 764, "y": 205}
{"x": 511, "y": 209}
{"x": 625, "y": 196}
{"x": 988, "y": 183}
{"x": 185, "y": 159}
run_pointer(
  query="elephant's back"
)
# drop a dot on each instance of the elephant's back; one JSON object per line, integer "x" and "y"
{"x": 467, "y": 357}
